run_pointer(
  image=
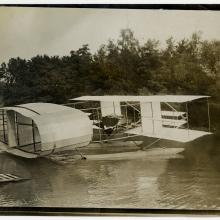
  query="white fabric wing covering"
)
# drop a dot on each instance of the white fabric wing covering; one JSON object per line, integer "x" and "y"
{"x": 110, "y": 108}
{"x": 151, "y": 98}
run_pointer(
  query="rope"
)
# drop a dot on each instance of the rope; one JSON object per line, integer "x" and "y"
{"x": 149, "y": 145}
{"x": 82, "y": 157}
{"x": 18, "y": 106}
{"x": 54, "y": 147}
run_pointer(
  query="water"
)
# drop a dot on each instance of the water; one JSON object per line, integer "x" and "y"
{"x": 187, "y": 181}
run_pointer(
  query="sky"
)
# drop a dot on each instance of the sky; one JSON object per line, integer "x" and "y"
{"x": 29, "y": 31}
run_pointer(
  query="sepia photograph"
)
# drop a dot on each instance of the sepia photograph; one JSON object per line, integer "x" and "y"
{"x": 109, "y": 108}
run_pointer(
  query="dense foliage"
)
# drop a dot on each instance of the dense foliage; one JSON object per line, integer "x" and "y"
{"x": 189, "y": 66}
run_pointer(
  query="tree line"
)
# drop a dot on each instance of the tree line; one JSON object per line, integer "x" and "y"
{"x": 125, "y": 66}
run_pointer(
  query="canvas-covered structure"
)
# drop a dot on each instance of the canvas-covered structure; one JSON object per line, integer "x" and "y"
{"x": 44, "y": 127}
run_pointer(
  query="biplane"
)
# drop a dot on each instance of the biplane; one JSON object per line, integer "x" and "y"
{"x": 122, "y": 117}
{"x": 41, "y": 129}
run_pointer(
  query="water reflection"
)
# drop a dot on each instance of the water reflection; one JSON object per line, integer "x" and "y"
{"x": 191, "y": 181}
{"x": 8, "y": 192}
{"x": 123, "y": 183}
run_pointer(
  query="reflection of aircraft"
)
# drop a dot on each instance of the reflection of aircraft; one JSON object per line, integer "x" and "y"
{"x": 39, "y": 129}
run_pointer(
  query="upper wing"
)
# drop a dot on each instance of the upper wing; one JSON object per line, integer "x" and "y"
{"x": 151, "y": 98}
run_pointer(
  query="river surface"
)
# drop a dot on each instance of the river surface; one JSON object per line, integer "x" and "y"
{"x": 189, "y": 180}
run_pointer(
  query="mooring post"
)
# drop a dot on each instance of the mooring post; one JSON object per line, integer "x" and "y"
{"x": 17, "y": 128}
{"x": 3, "y": 121}
{"x": 208, "y": 114}
{"x": 187, "y": 114}
{"x": 33, "y": 134}
{"x": 100, "y": 135}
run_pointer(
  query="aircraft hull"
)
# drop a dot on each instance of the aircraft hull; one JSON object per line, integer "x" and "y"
{"x": 104, "y": 150}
